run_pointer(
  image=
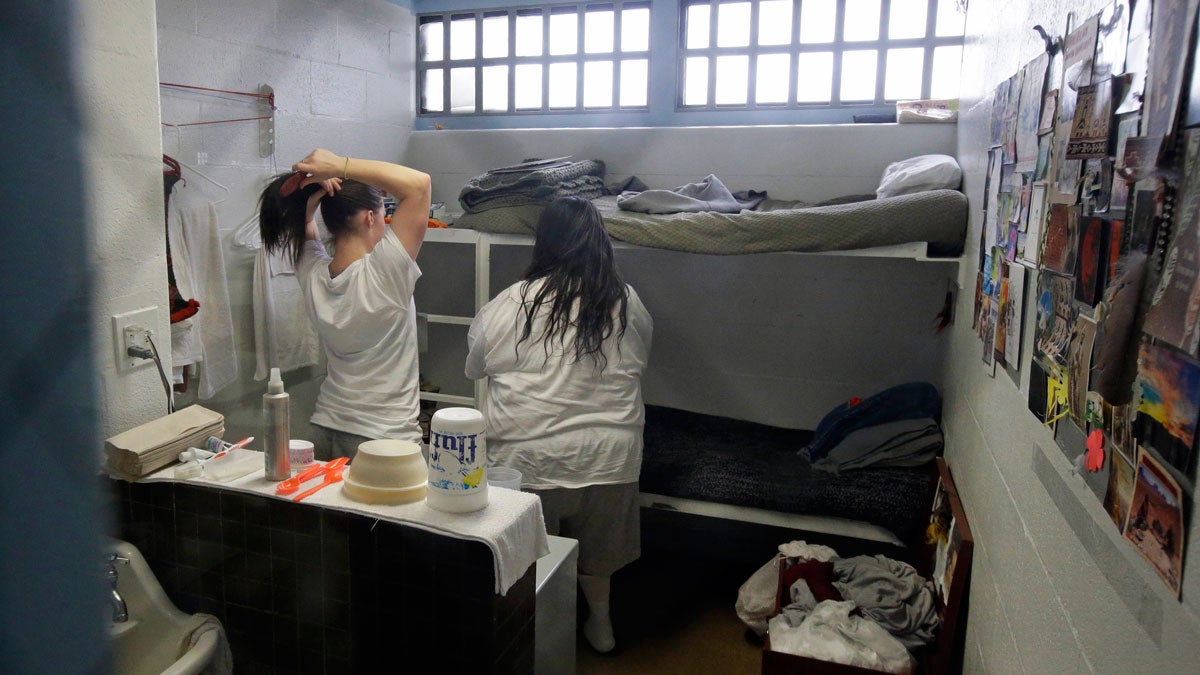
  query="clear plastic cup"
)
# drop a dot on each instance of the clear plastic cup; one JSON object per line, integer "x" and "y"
{"x": 503, "y": 477}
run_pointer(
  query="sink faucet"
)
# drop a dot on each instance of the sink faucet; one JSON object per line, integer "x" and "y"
{"x": 120, "y": 613}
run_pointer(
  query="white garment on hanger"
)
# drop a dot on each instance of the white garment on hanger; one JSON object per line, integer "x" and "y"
{"x": 284, "y": 338}
{"x": 199, "y": 266}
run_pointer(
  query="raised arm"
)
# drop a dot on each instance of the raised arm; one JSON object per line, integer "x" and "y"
{"x": 409, "y": 186}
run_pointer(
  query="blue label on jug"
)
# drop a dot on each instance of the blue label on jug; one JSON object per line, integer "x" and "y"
{"x": 456, "y": 461}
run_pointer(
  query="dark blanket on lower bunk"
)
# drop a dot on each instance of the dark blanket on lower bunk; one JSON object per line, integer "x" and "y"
{"x": 716, "y": 459}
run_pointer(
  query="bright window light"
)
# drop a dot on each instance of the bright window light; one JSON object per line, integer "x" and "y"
{"x": 635, "y": 30}
{"x": 495, "y": 37}
{"x": 495, "y": 88}
{"x": 462, "y": 90}
{"x": 564, "y": 33}
{"x": 598, "y": 84}
{"x": 527, "y": 86}
{"x": 771, "y": 79}
{"x": 563, "y": 82}
{"x": 817, "y": 21}
{"x": 775, "y": 22}
{"x": 858, "y": 75}
{"x": 732, "y": 79}
{"x": 598, "y": 30}
{"x": 698, "y": 17}
{"x": 814, "y": 77}
{"x": 907, "y": 19}
{"x": 695, "y": 88}
{"x": 529, "y": 35}
{"x": 634, "y": 82}
{"x": 947, "y": 71}
{"x": 462, "y": 38}
{"x": 950, "y": 21}
{"x": 733, "y": 24}
{"x": 862, "y": 20}
{"x": 432, "y": 42}
{"x": 431, "y": 94}
{"x": 905, "y": 70}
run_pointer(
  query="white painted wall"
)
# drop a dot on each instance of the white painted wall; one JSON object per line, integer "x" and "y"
{"x": 119, "y": 94}
{"x": 808, "y": 163}
{"x": 1054, "y": 588}
{"x": 343, "y": 79}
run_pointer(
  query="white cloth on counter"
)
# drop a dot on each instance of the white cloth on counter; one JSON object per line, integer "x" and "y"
{"x": 284, "y": 338}
{"x": 201, "y": 625}
{"x": 199, "y": 266}
{"x": 511, "y": 525}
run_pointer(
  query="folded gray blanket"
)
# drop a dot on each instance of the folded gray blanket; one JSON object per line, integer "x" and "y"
{"x": 505, "y": 188}
{"x": 710, "y": 194}
{"x": 913, "y": 442}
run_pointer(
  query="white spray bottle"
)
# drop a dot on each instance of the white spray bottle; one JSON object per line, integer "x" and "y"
{"x": 277, "y": 434}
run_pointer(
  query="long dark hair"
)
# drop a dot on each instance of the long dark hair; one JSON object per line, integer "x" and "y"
{"x": 281, "y": 218}
{"x": 573, "y": 255}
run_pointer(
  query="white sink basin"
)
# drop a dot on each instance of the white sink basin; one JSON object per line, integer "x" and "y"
{"x": 155, "y": 639}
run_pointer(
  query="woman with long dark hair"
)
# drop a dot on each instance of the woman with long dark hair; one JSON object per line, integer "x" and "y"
{"x": 564, "y": 350}
{"x": 360, "y": 297}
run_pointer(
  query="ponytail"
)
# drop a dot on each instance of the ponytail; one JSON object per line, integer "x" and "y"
{"x": 281, "y": 219}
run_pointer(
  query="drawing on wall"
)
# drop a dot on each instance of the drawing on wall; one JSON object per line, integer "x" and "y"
{"x": 1089, "y": 127}
{"x": 1079, "y": 366}
{"x": 1154, "y": 525}
{"x": 1112, "y": 38}
{"x": 1119, "y": 427}
{"x": 1127, "y": 128}
{"x": 988, "y": 330}
{"x": 1055, "y": 318}
{"x": 1049, "y": 110}
{"x": 1001, "y": 338}
{"x": 1120, "y": 489}
{"x": 1078, "y": 54}
{"x": 1033, "y": 83}
{"x": 1031, "y": 251}
{"x": 1060, "y": 239}
{"x": 1014, "y": 314}
{"x": 1171, "y": 26}
{"x": 1137, "y": 55}
{"x": 1045, "y": 142}
{"x": 1168, "y": 390}
{"x": 1091, "y": 260}
{"x": 1174, "y": 314}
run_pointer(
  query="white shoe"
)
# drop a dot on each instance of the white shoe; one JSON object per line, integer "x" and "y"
{"x": 599, "y": 633}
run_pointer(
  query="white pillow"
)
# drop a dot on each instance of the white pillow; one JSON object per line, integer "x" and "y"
{"x": 918, "y": 174}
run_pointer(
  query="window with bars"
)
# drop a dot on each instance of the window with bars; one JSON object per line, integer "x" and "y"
{"x": 584, "y": 57}
{"x": 762, "y": 54}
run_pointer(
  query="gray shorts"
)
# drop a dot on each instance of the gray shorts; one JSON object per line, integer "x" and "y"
{"x": 331, "y": 443}
{"x": 606, "y": 519}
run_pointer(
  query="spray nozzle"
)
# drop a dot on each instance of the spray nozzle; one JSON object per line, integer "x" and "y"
{"x": 275, "y": 384}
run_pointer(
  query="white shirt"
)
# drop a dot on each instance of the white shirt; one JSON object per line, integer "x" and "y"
{"x": 368, "y": 327}
{"x": 562, "y": 424}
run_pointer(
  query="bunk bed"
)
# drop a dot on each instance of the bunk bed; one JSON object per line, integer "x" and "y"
{"x": 728, "y": 408}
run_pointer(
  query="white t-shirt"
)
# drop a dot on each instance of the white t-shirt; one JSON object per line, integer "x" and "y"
{"x": 562, "y": 424}
{"x": 368, "y": 327}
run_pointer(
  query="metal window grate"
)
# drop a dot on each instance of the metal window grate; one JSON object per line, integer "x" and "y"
{"x": 579, "y": 57}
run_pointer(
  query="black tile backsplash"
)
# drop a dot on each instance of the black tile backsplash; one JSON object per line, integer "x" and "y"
{"x": 304, "y": 589}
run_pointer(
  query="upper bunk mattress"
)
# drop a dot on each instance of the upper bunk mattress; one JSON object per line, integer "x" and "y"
{"x": 938, "y": 217}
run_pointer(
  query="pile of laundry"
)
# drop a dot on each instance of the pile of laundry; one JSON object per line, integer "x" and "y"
{"x": 866, "y": 611}
{"x": 533, "y": 181}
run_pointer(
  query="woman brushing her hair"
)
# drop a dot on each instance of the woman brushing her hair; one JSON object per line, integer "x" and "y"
{"x": 360, "y": 298}
{"x": 564, "y": 350}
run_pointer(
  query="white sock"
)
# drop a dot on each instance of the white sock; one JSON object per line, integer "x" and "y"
{"x": 598, "y": 628}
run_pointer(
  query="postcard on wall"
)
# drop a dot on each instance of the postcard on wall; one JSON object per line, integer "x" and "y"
{"x": 999, "y": 105}
{"x": 1030, "y": 253}
{"x": 1011, "y": 115}
{"x": 1049, "y": 109}
{"x": 1112, "y": 38}
{"x": 1120, "y": 489}
{"x": 1060, "y": 240}
{"x": 1055, "y": 319}
{"x": 1033, "y": 83}
{"x": 988, "y": 331}
{"x": 1171, "y": 27}
{"x": 1066, "y": 173}
{"x": 1168, "y": 390}
{"x": 948, "y": 534}
{"x": 1119, "y": 426}
{"x": 1078, "y": 53}
{"x": 1137, "y": 55}
{"x": 1115, "y": 248}
{"x": 1096, "y": 184}
{"x": 1014, "y": 315}
{"x": 1079, "y": 365}
{"x": 1089, "y": 128}
{"x": 1155, "y": 525}
{"x": 1092, "y": 261}
{"x": 1001, "y": 321}
{"x": 1174, "y": 316}
{"x": 1045, "y": 142}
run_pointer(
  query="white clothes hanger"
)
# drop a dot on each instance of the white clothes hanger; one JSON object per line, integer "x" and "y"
{"x": 247, "y": 234}
{"x": 210, "y": 179}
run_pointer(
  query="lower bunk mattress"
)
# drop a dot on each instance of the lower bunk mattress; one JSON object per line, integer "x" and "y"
{"x": 937, "y": 217}
{"x": 694, "y": 459}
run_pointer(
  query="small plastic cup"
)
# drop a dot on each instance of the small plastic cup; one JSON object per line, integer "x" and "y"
{"x": 300, "y": 454}
{"x": 503, "y": 477}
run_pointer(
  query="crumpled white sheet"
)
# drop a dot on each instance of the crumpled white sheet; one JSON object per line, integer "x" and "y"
{"x": 830, "y": 633}
{"x": 756, "y": 598}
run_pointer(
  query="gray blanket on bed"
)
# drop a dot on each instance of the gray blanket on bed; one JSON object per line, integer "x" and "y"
{"x": 509, "y": 187}
{"x": 937, "y": 216}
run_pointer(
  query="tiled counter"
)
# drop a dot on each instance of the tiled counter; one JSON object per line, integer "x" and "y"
{"x": 306, "y": 589}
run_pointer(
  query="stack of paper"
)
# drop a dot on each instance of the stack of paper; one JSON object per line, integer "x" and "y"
{"x": 155, "y": 444}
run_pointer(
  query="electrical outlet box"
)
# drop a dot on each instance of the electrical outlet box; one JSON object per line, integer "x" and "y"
{"x": 133, "y": 329}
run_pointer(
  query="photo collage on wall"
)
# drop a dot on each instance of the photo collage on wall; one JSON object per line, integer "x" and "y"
{"x": 1092, "y": 203}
